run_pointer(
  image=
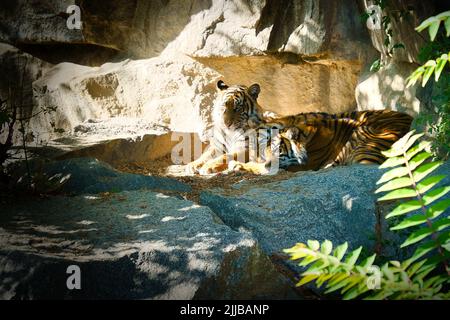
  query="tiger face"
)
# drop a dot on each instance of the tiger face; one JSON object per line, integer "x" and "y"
{"x": 292, "y": 144}
{"x": 237, "y": 107}
{"x": 284, "y": 147}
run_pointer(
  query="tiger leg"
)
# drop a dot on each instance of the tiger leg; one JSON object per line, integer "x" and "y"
{"x": 194, "y": 166}
{"x": 220, "y": 163}
{"x": 259, "y": 168}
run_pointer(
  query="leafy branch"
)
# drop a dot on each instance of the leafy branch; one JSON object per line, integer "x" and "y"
{"x": 426, "y": 273}
{"x": 437, "y": 65}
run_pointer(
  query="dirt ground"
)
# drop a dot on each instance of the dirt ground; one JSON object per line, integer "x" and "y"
{"x": 164, "y": 167}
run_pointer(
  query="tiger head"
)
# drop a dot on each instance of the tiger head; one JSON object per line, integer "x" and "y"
{"x": 292, "y": 142}
{"x": 237, "y": 107}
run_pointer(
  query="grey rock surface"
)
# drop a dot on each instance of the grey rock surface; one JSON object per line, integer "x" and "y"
{"x": 140, "y": 244}
{"x": 90, "y": 176}
{"x": 131, "y": 245}
{"x": 337, "y": 204}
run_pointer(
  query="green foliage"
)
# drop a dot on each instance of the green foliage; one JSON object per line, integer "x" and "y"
{"x": 436, "y": 57}
{"x": 437, "y": 64}
{"x": 426, "y": 273}
{"x": 433, "y": 24}
{"x": 376, "y": 65}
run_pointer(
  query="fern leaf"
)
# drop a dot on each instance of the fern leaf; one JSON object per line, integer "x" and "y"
{"x": 399, "y": 194}
{"x": 404, "y": 208}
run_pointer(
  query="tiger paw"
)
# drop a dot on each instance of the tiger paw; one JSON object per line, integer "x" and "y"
{"x": 210, "y": 168}
{"x": 235, "y": 166}
{"x": 193, "y": 168}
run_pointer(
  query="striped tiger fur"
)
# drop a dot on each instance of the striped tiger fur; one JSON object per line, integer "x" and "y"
{"x": 329, "y": 140}
{"x": 235, "y": 111}
{"x": 351, "y": 137}
{"x": 309, "y": 140}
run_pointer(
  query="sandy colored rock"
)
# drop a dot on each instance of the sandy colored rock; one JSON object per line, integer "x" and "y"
{"x": 176, "y": 93}
{"x": 124, "y": 99}
{"x": 387, "y": 89}
{"x": 294, "y": 86}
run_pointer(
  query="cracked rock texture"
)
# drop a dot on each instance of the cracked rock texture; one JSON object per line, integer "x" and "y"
{"x": 129, "y": 244}
{"x": 337, "y": 204}
{"x": 136, "y": 242}
{"x": 194, "y": 27}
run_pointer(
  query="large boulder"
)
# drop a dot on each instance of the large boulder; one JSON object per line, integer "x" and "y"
{"x": 337, "y": 204}
{"x": 129, "y": 245}
{"x": 125, "y": 99}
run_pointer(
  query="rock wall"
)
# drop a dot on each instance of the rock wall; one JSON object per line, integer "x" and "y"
{"x": 163, "y": 58}
{"x": 306, "y": 55}
{"x": 194, "y": 27}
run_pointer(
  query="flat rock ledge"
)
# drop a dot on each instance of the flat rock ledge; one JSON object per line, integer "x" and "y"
{"x": 136, "y": 237}
{"x": 129, "y": 245}
{"x": 337, "y": 204}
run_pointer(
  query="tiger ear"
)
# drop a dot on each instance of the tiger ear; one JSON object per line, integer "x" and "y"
{"x": 254, "y": 90}
{"x": 221, "y": 85}
{"x": 309, "y": 132}
{"x": 292, "y": 133}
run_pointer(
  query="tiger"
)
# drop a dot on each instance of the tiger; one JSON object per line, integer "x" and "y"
{"x": 360, "y": 136}
{"x": 320, "y": 141}
{"x": 235, "y": 111}
{"x": 310, "y": 141}
{"x": 316, "y": 141}
{"x": 269, "y": 147}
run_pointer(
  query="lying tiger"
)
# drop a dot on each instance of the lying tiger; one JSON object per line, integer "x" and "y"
{"x": 307, "y": 141}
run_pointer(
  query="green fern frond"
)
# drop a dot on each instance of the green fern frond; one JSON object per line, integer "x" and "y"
{"x": 432, "y": 66}
{"x": 426, "y": 273}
